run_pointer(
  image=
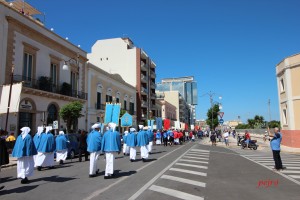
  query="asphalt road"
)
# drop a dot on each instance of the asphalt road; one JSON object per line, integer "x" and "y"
{"x": 189, "y": 171}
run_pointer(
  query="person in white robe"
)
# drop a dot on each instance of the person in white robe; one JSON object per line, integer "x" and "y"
{"x": 24, "y": 150}
{"x": 93, "y": 140}
{"x": 61, "y": 147}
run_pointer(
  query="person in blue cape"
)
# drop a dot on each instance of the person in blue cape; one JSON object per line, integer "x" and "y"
{"x": 125, "y": 146}
{"x": 93, "y": 141}
{"x": 150, "y": 138}
{"x": 142, "y": 142}
{"x": 111, "y": 144}
{"x": 131, "y": 143}
{"x": 37, "y": 141}
{"x": 158, "y": 137}
{"x": 46, "y": 148}
{"x": 61, "y": 147}
{"x": 24, "y": 150}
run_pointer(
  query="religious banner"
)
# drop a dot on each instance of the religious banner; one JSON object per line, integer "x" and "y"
{"x": 158, "y": 123}
{"x": 150, "y": 124}
{"x": 112, "y": 113}
{"x": 167, "y": 124}
{"x": 126, "y": 120}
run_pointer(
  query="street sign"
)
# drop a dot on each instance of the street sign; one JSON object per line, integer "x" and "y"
{"x": 55, "y": 124}
{"x": 221, "y": 121}
{"x": 221, "y": 114}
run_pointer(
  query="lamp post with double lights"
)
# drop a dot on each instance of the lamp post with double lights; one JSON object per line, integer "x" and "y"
{"x": 211, "y": 94}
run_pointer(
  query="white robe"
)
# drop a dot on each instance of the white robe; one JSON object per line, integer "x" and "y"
{"x": 149, "y": 147}
{"x": 132, "y": 153}
{"x": 109, "y": 169}
{"x": 125, "y": 149}
{"x": 158, "y": 141}
{"x": 25, "y": 167}
{"x": 61, "y": 155}
{"x": 44, "y": 159}
{"x": 144, "y": 152}
{"x": 94, "y": 162}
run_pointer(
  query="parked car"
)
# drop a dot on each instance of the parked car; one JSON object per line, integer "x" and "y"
{"x": 73, "y": 146}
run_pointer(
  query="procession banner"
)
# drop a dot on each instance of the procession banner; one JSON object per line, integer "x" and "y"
{"x": 158, "y": 123}
{"x": 126, "y": 120}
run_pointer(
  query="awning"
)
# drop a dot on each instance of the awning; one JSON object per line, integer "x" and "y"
{"x": 15, "y": 98}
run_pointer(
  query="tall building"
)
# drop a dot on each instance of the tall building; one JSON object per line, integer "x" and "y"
{"x": 38, "y": 56}
{"x": 187, "y": 87}
{"x": 119, "y": 55}
{"x": 288, "y": 81}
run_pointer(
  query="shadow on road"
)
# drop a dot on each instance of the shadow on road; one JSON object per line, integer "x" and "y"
{"x": 118, "y": 173}
{"x": 18, "y": 190}
{"x": 57, "y": 179}
{"x": 7, "y": 179}
{"x": 157, "y": 152}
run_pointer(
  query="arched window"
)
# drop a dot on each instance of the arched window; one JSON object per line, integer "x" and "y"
{"x": 109, "y": 95}
{"x": 52, "y": 114}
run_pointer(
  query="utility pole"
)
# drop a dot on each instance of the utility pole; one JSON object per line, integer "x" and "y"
{"x": 269, "y": 103}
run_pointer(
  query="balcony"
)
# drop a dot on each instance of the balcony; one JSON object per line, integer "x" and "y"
{"x": 144, "y": 91}
{"x": 144, "y": 78}
{"x": 153, "y": 75}
{"x": 143, "y": 66}
{"x": 99, "y": 106}
{"x": 45, "y": 84}
{"x": 144, "y": 104}
{"x": 152, "y": 85}
{"x": 153, "y": 96}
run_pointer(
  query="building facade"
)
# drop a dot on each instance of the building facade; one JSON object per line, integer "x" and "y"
{"x": 119, "y": 55}
{"x": 187, "y": 87}
{"x": 288, "y": 82}
{"x": 107, "y": 88}
{"x": 37, "y": 56}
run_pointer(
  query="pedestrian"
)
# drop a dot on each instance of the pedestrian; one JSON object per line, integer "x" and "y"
{"x": 45, "y": 149}
{"x": 61, "y": 147}
{"x": 125, "y": 147}
{"x": 83, "y": 146}
{"x": 24, "y": 150}
{"x": 158, "y": 137}
{"x": 226, "y": 137}
{"x": 150, "y": 139}
{"x": 165, "y": 138}
{"x": 142, "y": 142}
{"x": 111, "y": 144}
{"x": 213, "y": 139}
{"x": 94, "y": 140}
{"x": 275, "y": 146}
{"x": 247, "y": 138}
{"x": 4, "y": 157}
{"x": 131, "y": 143}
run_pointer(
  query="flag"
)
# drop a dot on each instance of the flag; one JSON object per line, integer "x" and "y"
{"x": 126, "y": 120}
{"x": 108, "y": 113}
{"x": 166, "y": 124}
{"x": 116, "y": 113}
{"x": 158, "y": 123}
{"x": 150, "y": 123}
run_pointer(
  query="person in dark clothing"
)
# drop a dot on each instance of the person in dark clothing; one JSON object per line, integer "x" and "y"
{"x": 83, "y": 146}
{"x": 3, "y": 153}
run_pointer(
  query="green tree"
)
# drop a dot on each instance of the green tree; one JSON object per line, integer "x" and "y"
{"x": 259, "y": 121}
{"x": 212, "y": 116}
{"x": 70, "y": 114}
{"x": 273, "y": 124}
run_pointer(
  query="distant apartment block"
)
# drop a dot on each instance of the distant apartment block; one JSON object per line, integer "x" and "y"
{"x": 119, "y": 55}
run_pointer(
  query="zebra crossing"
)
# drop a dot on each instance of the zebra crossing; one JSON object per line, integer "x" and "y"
{"x": 189, "y": 170}
{"x": 290, "y": 161}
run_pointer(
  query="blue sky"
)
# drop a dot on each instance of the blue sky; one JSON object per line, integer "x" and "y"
{"x": 231, "y": 47}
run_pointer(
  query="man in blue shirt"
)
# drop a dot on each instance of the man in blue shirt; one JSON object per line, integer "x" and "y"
{"x": 275, "y": 146}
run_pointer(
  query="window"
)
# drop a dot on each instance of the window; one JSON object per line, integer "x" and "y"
{"x": 98, "y": 101}
{"x": 117, "y": 100}
{"x": 74, "y": 81}
{"x": 131, "y": 108}
{"x": 281, "y": 85}
{"x": 98, "y": 119}
{"x": 27, "y": 67}
{"x": 108, "y": 98}
{"x": 284, "y": 116}
{"x": 53, "y": 73}
{"x": 125, "y": 105}
{"x": 52, "y": 114}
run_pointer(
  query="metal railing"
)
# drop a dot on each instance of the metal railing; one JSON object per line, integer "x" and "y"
{"x": 45, "y": 84}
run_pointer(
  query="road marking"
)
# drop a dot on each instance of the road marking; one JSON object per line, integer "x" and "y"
{"x": 294, "y": 176}
{"x": 147, "y": 185}
{"x": 190, "y": 165}
{"x": 97, "y": 192}
{"x": 199, "y": 150}
{"x": 265, "y": 166}
{"x": 195, "y": 161}
{"x": 272, "y": 163}
{"x": 291, "y": 171}
{"x": 199, "y": 155}
{"x": 188, "y": 171}
{"x": 183, "y": 180}
{"x": 196, "y": 158}
{"x": 292, "y": 167}
{"x": 175, "y": 193}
